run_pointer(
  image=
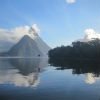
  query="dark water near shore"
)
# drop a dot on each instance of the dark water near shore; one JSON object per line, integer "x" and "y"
{"x": 36, "y": 79}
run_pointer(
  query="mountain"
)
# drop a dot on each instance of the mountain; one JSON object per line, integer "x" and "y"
{"x": 43, "y": 47}
{"x": 29, "y": 47}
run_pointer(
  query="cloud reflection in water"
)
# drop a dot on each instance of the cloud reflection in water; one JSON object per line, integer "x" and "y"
{"x": 22, "y": 72}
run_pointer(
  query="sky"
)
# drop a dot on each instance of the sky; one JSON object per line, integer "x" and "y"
{"x": 60, "y": 21}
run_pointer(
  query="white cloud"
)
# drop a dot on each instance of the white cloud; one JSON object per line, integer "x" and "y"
{"x": 70, "y": 1}
{"x": 14, "y": 35}
{"x": 36, "y": 29}
{"x": 89, "y": 35}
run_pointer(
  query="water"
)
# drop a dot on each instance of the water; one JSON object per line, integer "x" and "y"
{"x": 36, "y": 79}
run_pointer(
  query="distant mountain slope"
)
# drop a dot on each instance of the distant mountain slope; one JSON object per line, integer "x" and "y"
{"x": 26, "y": 47}
{"x": 43, "y": 47}
{"x": 30, "y": 45}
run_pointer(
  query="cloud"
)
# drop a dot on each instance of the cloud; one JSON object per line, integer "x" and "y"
{"x": 89, "y": 35}
{"x": 12, "y": 36}
{"x": 70, "y": 1}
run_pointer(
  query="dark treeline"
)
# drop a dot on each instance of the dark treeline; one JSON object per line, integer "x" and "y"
{"x": 87, "y": 50}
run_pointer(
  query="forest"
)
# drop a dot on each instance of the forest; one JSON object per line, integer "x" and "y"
{"x": 77, "y": 50}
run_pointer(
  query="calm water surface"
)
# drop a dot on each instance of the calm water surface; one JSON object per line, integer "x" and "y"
{"x": 36, "y": 79}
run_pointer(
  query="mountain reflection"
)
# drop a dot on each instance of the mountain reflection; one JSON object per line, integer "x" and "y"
{"x": 27, "y": 66}
{"x": 82, "y": 66}
{"x": 21, "y": 72}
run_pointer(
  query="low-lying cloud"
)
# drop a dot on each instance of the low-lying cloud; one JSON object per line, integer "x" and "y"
{"x": 10, "y": 37}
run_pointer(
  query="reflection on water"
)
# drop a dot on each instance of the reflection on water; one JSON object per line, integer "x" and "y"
{"x": 91, "y": 68}
{"x": 78, "y": 66}
{"x": 90, "y": 78}
{"x": 22, "y": 72}
{"x": 34, "y": 79}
